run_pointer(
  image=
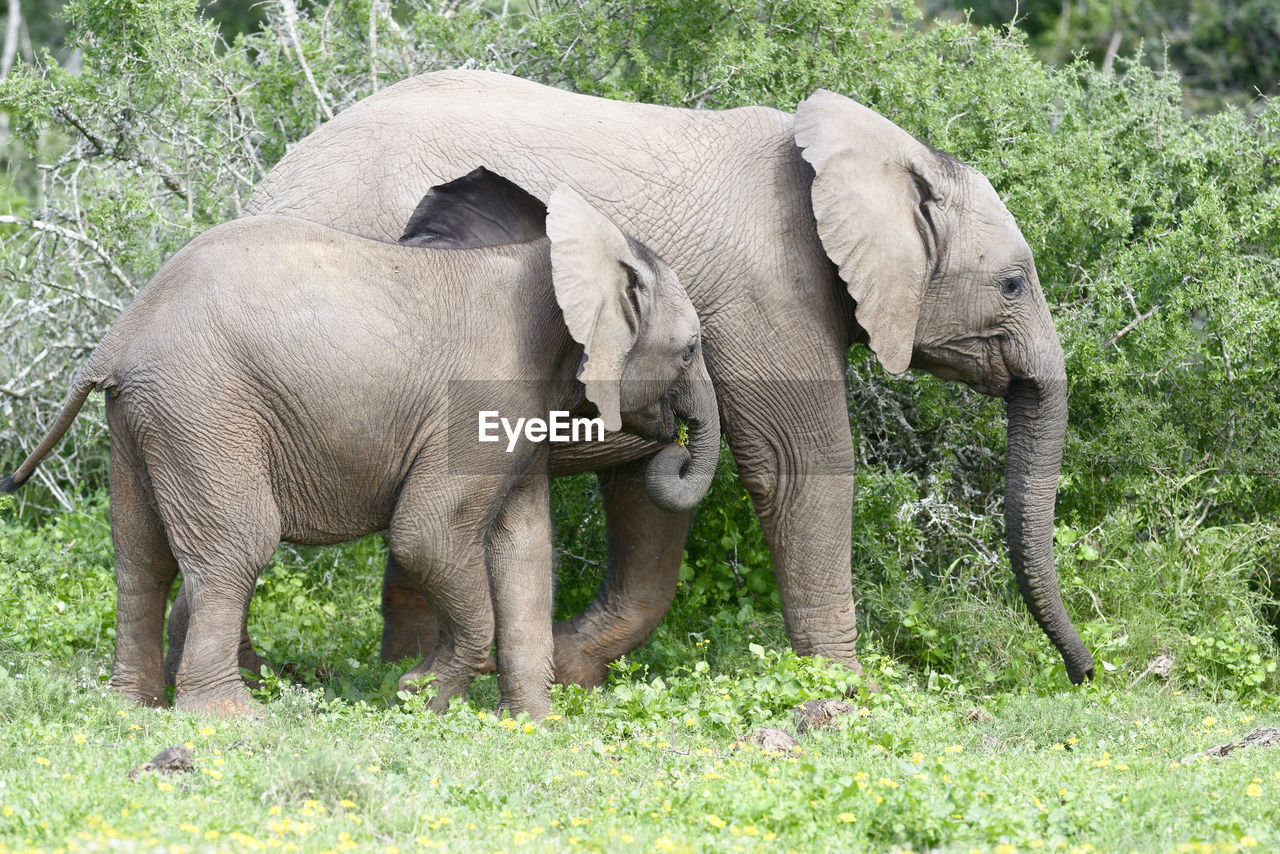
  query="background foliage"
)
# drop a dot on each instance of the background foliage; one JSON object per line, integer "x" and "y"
{"x": 1156, "y": 230}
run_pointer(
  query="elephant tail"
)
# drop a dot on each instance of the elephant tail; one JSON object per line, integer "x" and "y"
{"x": 92, "y": 375}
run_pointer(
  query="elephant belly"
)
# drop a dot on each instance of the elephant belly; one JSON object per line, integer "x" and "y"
{"x": 338, "y": 485}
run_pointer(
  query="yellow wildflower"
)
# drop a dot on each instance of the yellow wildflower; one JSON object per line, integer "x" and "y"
{"x": 846, "y": 818}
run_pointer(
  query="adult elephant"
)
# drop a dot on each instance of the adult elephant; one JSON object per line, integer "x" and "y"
{"x": 751, "y": 207}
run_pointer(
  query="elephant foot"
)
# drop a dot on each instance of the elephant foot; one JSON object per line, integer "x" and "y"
{"x": 850, "y": 662}
{"x": 575, "y": 664}
{"x": 136, "y": 691}
{"x": 452, "y": 677}
{"x": 232, "y": 704}
{"x": 249, "y": 660}
{"x": 536, "y": 711}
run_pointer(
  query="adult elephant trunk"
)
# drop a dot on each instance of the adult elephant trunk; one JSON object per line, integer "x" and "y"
{"x": 678, "y": 477}
{"x": 1037, "y": 409}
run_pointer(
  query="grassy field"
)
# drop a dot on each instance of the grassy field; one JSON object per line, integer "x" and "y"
{"x": 337, "y": 761}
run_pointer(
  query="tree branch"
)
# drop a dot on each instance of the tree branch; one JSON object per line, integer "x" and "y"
{"x": 291, "y": 24}
{"x": 83, "y": 239}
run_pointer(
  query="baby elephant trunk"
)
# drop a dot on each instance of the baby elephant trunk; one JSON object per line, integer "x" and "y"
{"x": 679, "y": 476}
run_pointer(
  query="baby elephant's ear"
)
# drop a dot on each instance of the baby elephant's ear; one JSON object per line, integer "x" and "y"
{"x": 595, "y": 274}
{"x": 481, "y": 208}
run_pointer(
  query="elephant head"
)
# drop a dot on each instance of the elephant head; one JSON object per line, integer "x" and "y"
{"x": 642, "y": 363}
{"x": 944, "y": 281}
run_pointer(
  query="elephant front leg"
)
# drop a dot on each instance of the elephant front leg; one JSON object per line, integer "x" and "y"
{"x": 521, "y": 579}
{"x": 646, "y": 545}
{"x": 800, "y": 475}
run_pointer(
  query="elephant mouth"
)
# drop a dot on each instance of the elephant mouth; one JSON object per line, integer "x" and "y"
{"x": 981, "y": 364}
{"x": 659, "y": 426}
{"x": 994, "y": 376}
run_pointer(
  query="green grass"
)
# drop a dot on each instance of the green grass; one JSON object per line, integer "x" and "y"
{"x": 934, "y": 760}
{"x": 911, "y": 769}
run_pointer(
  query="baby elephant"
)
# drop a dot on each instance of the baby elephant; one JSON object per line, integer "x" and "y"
{"x": 281, "y": 380}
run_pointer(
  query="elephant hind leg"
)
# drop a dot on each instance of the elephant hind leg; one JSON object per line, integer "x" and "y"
{"x": 179, "y": 616}
{"x": 224, "y": 526}
{"x": 145, "y": 569}
{"x": 219, "y": 584}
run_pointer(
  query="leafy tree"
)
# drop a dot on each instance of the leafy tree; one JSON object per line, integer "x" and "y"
{"x": 1223, "y": 50}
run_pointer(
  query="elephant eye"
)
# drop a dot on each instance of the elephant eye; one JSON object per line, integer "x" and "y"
{"x": 690, "y": 352}
{"x": 1013, "y": 286}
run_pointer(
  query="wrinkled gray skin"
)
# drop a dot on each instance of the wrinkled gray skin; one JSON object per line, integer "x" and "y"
{"x": 278, "y": 380}
{"x": 779, "y": 226}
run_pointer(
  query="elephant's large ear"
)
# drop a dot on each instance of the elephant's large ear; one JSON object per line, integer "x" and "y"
{"x": 481, "y": 208}
{"x": 594, "y": 269}
{"x": 875, "y": 195}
